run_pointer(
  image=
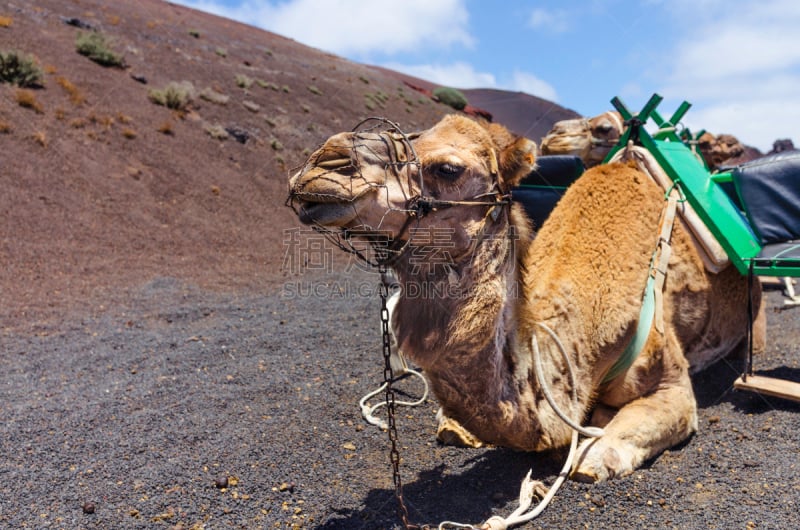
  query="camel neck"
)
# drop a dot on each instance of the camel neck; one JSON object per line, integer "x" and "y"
{"x": 457, "y": 294}
{"x": 459, "y": 323}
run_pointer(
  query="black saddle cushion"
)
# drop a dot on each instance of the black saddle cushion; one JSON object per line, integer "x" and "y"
{"x": 780, "y": 254}
{"x": 769, "y": 189}
{"x": 558, "y": 171}
{"x": 543, "y": 187}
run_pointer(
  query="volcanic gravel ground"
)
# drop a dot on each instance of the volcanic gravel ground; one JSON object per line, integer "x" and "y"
{"x": 181, "y": 408}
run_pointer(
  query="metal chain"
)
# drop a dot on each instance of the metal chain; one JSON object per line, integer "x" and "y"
{"x": 388, "y": 377}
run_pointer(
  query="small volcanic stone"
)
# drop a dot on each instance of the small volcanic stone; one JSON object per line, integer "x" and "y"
{"x": 221, "y": 481}
{"x": 88, "y": 507}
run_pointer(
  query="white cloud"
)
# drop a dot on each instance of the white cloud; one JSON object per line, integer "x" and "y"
{"x": 739, "y": 65}
{"x": 355, "y": 27}
{"x": 752, "y": 122}
{"x": 553, "y": 21}
{"x": 464, "y": 75}
{"x": 459, "y": 74}
{"x": 733, "y": 49}
{"x": 530, "y": 84}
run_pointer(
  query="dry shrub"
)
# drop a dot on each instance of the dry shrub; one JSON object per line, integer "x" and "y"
{"x": 20, "y": 70}
{"x": 96, "y": 47}
{"x": 216, "y": 131}
{"x": 176, "y": 96}
{"x": 252, "y": 106}
{"x": 213, "y": 96}
{"x": 27, "y": 99}
{"x": 5, "y": 127}
{"x": 129, "y": 133}
{"x": 5, "y": 21}
{"x": 244, "y": 81}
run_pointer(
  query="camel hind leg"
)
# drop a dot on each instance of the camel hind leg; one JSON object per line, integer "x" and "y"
{"x": 759, "y": 329}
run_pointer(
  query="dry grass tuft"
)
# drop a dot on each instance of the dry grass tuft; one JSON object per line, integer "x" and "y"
{"x": 27, "y": 99}
{"x": 102, "y": 120}
{"x": 40, "y": 138}
{"x": 75, "y": 95}
{"x": 166, "y": 128}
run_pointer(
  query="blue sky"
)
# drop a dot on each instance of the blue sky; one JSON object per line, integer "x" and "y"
{"x": 737, "y": 62}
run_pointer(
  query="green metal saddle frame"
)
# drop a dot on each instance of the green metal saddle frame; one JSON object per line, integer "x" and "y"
{"x": 752, "y": 250}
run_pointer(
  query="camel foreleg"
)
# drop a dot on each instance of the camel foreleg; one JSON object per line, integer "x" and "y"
{"x": 639, "y": 431}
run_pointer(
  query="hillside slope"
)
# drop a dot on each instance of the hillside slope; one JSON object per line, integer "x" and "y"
{"x": 104, "y": 189}
{"x": 160, "y": 371}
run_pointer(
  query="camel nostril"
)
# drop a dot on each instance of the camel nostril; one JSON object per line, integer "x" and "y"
{"x": 336, "y": 163}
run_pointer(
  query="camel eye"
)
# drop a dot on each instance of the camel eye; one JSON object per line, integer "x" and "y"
{"x": 605, "y": 127}
{"x": 448, "y": 171}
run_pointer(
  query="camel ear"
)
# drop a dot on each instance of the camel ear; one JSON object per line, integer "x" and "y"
{"x": 517, "y": 160}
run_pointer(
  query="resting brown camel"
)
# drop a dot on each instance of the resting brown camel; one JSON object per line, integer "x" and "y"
{"x": 591, "y": 139}
{"x": 725, "y": 150}
{"x": 479, "y": 292}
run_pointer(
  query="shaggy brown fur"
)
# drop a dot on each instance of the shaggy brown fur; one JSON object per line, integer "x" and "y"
{"x": 583, "y": 276}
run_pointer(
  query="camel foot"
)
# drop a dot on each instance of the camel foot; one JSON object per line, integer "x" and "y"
{"x": 598, "y": 461}
{"x": 450, "y": 432}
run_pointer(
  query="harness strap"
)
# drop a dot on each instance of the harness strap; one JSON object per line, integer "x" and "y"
{"x": 646, "y": 316}
{"x": 659, "y": 270}
{"x": 652, "y": 311}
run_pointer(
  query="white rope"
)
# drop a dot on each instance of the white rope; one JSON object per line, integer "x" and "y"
{"x": 793, "y": 299}
{"x": 368, "y": 411}
{"x": 528, "y": 488}
{"x": 591, "y": 432}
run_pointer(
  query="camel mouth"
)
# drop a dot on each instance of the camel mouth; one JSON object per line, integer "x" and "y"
{"x": 569, "y": 145}
{"x": 328, "y": 210}
{"x": 326, "y": 214}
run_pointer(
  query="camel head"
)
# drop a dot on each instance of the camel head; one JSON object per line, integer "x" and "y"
{"x": 719, "y": 150}
{"x": 384, "y": 183}
{"x": 590, "y": 139}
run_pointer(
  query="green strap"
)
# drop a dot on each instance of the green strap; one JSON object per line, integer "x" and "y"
{"x": 636, "y": 344}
